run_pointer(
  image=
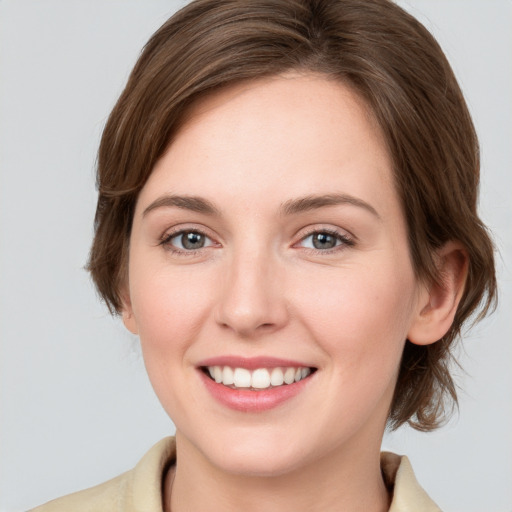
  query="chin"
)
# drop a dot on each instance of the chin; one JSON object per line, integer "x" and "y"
{"x": 254, "y": 452}
{"x": 257, "y": 463}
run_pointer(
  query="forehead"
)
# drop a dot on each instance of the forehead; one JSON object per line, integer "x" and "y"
{"x": 319, "y": 100}
{"x": 295, "y": 132}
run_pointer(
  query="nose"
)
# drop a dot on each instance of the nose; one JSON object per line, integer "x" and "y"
{"x": 252, "y": 300}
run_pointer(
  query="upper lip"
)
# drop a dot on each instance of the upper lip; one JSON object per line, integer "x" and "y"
{"x": 252, "y": 363}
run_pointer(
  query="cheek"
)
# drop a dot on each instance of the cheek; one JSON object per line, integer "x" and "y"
{"x": 170, "y": 309}
{"x": 360, "y": 321}
{"x": 361, "y": 317}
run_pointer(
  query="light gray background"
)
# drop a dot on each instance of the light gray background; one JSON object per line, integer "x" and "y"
{"x": 76, "y": 406}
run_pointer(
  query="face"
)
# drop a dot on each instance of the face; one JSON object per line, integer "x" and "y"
{"x": 270, "y": 279}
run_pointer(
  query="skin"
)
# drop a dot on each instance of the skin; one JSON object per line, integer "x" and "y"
{"x": 259, "y": 287}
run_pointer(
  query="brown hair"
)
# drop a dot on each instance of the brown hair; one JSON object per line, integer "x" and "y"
{"x": 395, "y": 65}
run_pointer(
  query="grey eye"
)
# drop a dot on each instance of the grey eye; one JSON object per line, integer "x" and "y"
{"x": 321, "y": 240}
{"x": 190, "y": 240}
{"x": 324, "y": 240}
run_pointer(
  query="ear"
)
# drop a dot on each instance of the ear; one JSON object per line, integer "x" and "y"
{"x": 127, "y": 313}
{"x": 438, "y": 304}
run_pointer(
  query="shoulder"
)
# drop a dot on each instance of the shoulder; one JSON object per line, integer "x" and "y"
{"x": 101, "y": 497}
{"x": 401, "y": 481}
{"x": 136, "y": 490}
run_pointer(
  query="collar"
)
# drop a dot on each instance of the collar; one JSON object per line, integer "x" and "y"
{"x": 401, "y": 482}
{"x": 397, "y": 472}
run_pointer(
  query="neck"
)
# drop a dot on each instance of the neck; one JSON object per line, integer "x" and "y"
{"x": 340, "y": 481}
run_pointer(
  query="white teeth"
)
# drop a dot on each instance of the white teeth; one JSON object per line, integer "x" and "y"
{"x": 289, "y": 375}
{"x": 242, "y": 378}
{"x": 261, "y": 378}
{"x": 277, "y": 377}
{"x": 227, "y": 376}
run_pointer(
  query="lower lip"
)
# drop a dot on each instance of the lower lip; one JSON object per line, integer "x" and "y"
{"x": 246, "y": 400}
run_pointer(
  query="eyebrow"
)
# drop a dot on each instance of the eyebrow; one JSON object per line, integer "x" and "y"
{"x": 313, "y": 202}
{"x": 193, "y": 203}
{"x": 290, "y": 207}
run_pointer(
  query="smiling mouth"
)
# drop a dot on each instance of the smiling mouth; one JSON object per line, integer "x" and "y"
{"x": 258, "y": 379}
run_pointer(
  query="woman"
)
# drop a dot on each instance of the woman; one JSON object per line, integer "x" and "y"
{"x": 287, "y": 219}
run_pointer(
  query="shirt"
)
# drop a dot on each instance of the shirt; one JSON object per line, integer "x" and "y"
{"x": 140, "y": 489}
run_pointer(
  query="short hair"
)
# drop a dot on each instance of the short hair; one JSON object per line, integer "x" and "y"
{"x": 393, "y": 63}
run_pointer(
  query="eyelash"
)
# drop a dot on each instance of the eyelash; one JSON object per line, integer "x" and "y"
{"x": 165, "y": 242}
{"x": 344, "y": 241}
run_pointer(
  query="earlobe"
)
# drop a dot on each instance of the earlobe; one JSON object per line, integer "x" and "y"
{"x": 129, "y": 321}
{"x": 127, "y": 314}
{"x": 438, "y": 304}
